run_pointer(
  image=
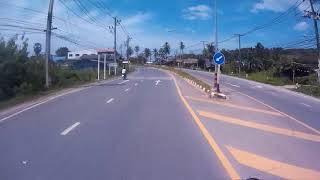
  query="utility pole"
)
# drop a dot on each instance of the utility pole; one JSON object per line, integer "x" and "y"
{"x": 104, "y": 66}
{"x": 116, "y": 21}
{"x": 48, "y": 42}
{"x": 98, "y": 67}
{"x": 317, "y": 36}
{"x": 217, "y": 67}
{"x": 240, "y": 61}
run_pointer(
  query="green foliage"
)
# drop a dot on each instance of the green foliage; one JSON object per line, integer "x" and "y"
{"x": 21, "y": 75}
{"x": 129, "y": 51}
{"x": 310, "y": 90}
{"x": 269, "y": 78}
{"x": 71, "y": 77}
{"x": 310, "y": 80}
{"x": 137, "y": 49}
{"x": 37, "y": 48}
{"x": 147, "y": 53}
{"x": 181, "y": 46}
{"x": 166, "y": 48}
{"x": 62, "y": 52}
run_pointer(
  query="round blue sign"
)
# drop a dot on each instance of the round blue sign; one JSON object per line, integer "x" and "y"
{"x": 219, "y": 58}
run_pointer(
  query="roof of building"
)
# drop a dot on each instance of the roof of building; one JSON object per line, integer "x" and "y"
{"x": 105, "y": 50}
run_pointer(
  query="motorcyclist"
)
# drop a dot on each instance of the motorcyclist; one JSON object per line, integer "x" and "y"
{"x": 124, "y": 73}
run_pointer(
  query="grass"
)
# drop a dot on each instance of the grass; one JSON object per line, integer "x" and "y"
{"x": 186, "y": 75}
{"x": 267, "y": 78}
{"x": 68, "y": 83}
{"x": 309, "y": 90}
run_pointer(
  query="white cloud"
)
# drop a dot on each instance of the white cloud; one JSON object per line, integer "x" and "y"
{"x": 301, "y": 26}
{"x": 199, "y": 12}
{"x": 277, "y": 5}
{"x": 136, "y": 19}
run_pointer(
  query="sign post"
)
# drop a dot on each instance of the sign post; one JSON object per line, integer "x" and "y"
{"x": 218, "y": 59}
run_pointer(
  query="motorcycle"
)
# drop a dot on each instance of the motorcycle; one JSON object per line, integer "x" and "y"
{"x": 124, "y": 76}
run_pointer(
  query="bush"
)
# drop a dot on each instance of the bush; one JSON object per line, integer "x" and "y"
{"x": 310, "y": 90}
{"x": 269, "y": 78}
{"x": 71, "y": 77}
{"x": 310, "y": 80}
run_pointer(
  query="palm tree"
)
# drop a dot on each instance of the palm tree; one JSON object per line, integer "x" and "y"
{"x": 37, "y": 48}
{"x": 147, "y": 53}
{"x": 182, "y": 46}
{"x": 155, "y": 54}
{"x": 166, "y": 48}
{"x": 137, "y": 49}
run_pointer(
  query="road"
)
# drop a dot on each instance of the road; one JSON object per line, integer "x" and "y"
{"x": 301, "y": 107}
{"x": 136, "y": 129}
{"x": 158, "y": 125}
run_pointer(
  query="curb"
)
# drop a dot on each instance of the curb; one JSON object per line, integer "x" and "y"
{"x": 218, "y": 95}
{"x": 201, "y": 88}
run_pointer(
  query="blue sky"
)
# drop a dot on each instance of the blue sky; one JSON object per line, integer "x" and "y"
{"x": 151, "y": 23}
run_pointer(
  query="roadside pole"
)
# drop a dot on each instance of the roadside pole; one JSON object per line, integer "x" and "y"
{"x": 115, "y": 44}
{"x": 240, "y": 62}
{"x": 48, "y": 42}
{"x": 98, "y": 67}
{"x": 104, "y": 66}
{"x": 317, "y": 37}
{"x": 217, "y": 67}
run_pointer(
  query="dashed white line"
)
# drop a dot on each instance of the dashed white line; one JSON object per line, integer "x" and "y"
{"x": 258, "y": 86}
{"x": 40, "y": 103}
{"x": 123, "y": 82}
{"x": 233, "y": 85}
{"x": 307, "y": 105}
{"x": 66, "y": 131}
{"x": 110, "y": 100}
{"x": 136, "y": 84}
{"x": 127, "y": 90}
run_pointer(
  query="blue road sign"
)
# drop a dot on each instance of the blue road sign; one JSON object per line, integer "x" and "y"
{"x": 219, "y": 58}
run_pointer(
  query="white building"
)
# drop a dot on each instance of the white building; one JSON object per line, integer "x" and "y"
{"x": 76, "y": 55}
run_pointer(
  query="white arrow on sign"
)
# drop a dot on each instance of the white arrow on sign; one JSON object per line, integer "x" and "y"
{"x": 157, "y": 82}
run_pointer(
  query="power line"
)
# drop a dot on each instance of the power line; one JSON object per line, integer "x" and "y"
{"x": 79, "y": 16}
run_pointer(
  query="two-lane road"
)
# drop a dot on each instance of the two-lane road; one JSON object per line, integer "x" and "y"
{"x": 136, "y": 129}
{"x": 300, "y": 107}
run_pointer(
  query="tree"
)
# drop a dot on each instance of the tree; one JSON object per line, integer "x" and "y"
{"x": 147, "y": 53}
{"x": 37, "y": 48}
{"x": 182, "y": 46}
{"x": 162, "y": 54}
{"x": 155, "y": 54}
{"x": 137, "y": 49}
{"x": 62, "y": 52}
{"x": 208, "y": 52}
{"x": 129, "y": 52}
{"x": 166, "y": 48}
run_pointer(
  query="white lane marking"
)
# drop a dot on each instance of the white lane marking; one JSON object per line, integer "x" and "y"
{"x": 127, "y": 90}
{"x": 307, "y": 105}
{"x": 233, "y": 85}
{"x": 157, "y": 82}
{"x": 110, "y": 100}
{"x": 38, "y": 104}
{"x": 66, "y": 131}
{"x": 123, "y": 82}
{"x": 258, "y": 86}
{"x": 136, "y": 84}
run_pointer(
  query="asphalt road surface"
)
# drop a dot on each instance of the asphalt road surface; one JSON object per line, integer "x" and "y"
{"x": 301, "y": 107}
{"x": 157, "y": 125}
{"x": 135, "y": 129}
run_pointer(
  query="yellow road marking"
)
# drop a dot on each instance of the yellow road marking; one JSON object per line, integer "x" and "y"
{"x": 273, "y": 167}
{"x": 262, "y": 127}
{"x": 290, "y": 117}
{"x": 235, "y": 106}
{"x": 225, "y": 162}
